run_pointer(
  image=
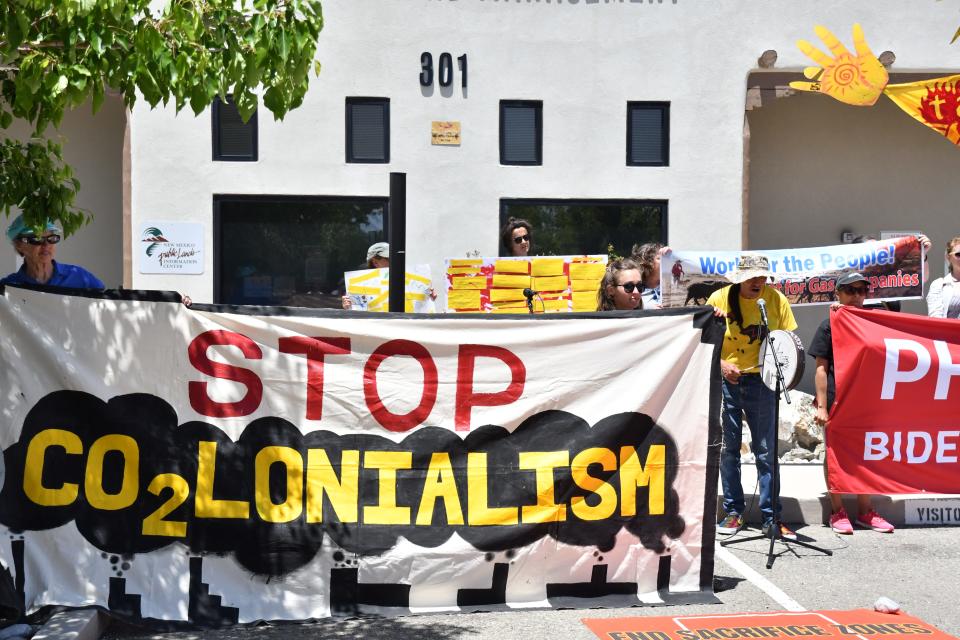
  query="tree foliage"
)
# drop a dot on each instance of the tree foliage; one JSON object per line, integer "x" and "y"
{"x": 58, "y": 54}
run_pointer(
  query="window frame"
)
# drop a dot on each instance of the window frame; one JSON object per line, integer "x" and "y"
{"x": 218, "y": 155}
{"x": 348, "y": 129}
{"x": 588, "y": 202}
{"x": 664, "y": 108}
{"x": 537, "y": 105}
{"x": 218, "y": 215}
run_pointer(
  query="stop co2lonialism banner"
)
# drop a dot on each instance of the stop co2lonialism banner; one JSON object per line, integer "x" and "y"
{"x": 204, "y": 465}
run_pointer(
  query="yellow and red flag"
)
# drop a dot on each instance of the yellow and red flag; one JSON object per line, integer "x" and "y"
{"x": 934, "y": 102}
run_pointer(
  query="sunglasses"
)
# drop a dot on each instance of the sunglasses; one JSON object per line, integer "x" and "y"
{"x": 630, "y": 287}
{"x": 36, "y": 242}
{"x": 520, "y": 239}
{"x": 855, "y": 291}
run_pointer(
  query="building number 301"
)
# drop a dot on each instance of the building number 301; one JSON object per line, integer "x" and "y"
{"x": 444, "y": 69}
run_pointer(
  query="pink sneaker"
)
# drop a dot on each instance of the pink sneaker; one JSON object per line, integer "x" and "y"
{"x": 873, "y": 520}
{"x": 840, "y": 522}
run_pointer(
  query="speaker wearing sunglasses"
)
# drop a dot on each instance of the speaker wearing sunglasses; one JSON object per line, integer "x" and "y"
{"x": 38, "y": 248}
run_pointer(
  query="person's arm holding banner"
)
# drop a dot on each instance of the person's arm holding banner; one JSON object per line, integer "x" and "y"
{"x": 820, "y": 387}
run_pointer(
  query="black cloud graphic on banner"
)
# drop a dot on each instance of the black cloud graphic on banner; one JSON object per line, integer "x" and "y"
{"x": 166, "y": 450}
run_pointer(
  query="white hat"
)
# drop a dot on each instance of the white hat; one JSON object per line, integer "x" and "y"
{"x": 381, "y": 249}
{"x": 751, "y": 266}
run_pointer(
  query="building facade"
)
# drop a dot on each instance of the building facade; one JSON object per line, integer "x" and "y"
{"x": 605, "y": 122}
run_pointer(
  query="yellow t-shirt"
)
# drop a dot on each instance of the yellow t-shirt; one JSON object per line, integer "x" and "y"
{"x": 741, "y": 345}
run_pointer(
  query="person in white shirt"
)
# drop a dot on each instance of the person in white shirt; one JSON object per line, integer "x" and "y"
{"x": 943, "y": 299}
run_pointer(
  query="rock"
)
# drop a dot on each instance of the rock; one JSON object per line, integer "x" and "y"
{"x": 820, "y": 452}
{"x": 799, "y": 454}
{"x": 796, "y": 429}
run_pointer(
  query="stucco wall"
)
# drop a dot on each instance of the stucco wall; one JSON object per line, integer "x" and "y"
{"x": 92, "y": 145}
{"x": 585, "y": 60}
{"x": 819, "y": 167}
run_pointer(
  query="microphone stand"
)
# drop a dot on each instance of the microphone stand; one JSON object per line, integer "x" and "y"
{"x": 774, "y": 532}
{"x": 528, "y": 294}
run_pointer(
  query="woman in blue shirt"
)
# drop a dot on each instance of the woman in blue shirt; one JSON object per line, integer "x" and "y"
{"x": 39, "y": 266}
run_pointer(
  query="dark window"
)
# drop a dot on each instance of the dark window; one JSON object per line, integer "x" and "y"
{"x": 368, "y": 130}
{"x": 572, "y": 227}
{"x": 232, "y": 138}
{"x": 521, "y": 132}
{"x": 291, "y": 250}
{"x": 648, "y": 134}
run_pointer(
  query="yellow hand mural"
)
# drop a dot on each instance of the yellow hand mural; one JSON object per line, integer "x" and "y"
{"x": 853, "y": 79}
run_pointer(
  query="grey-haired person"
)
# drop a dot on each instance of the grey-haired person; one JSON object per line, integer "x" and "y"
{"x": 38, "y": 248}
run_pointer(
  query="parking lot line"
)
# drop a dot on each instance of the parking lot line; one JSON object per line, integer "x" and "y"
{"x": 772, "y": 590}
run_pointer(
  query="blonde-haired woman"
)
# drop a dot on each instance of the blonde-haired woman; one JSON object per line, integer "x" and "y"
{"x": 943, "y": 299}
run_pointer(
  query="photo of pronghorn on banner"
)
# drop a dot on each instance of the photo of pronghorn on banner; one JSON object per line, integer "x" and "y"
{"x": 199, "y": 464}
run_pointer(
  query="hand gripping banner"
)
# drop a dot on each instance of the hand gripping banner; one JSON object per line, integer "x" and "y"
{"x": 212, "y": 466}
{"x": 894, "y": 426}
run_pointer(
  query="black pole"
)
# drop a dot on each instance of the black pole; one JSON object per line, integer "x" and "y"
{"x": 397, "y": 236}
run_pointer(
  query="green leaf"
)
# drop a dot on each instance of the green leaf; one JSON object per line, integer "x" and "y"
{"x": 96, "y": 43}
{"x": 186, "y": 51}
{"x": 97, "y": 96}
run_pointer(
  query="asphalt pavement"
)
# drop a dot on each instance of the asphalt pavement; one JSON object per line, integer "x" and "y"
{"x": 917, "y": 567}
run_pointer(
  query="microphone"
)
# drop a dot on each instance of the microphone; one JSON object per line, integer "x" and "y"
{"x": 762, "y": 305}
{"x": 529, "y": 293}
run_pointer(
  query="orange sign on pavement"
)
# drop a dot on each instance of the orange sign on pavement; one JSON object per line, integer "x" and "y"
{"x": 859, "y": 624}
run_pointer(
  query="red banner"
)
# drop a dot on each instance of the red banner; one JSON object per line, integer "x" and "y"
{"x": 895, "y": 424}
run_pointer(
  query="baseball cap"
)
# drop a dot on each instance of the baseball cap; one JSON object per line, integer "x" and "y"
{"x": 381, "y": 249}
{"x": 849, "y": 278}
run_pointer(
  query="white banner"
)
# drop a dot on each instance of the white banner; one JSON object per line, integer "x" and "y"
{"x": 893, "y": 268}
{"x": 175, "y": 464}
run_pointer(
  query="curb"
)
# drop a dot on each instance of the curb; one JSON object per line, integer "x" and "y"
{"x": 803, "y": 499}
{"x": 76, "y": 624}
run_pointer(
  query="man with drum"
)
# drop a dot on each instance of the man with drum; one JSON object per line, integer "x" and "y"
{"x": 852, "y": 289}
{"x": 744, "y": 391}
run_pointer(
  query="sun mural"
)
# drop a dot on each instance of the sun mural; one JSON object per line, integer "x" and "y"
{"x": 859, "y": 79}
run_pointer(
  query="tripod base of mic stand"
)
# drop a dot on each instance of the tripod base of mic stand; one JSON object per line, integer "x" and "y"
{"x": 774, "y": 536}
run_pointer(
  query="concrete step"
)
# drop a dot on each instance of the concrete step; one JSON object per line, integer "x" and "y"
{"x": 803, "y": 496}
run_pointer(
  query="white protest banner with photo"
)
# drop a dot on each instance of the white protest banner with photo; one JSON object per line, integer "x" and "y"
{"x": 168, "y": 463}
{"x": 496, "y": 285}
{"x": 893, "y": 267}
{"x": 369, "y": 289}
{"x": 171, "y": 247}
